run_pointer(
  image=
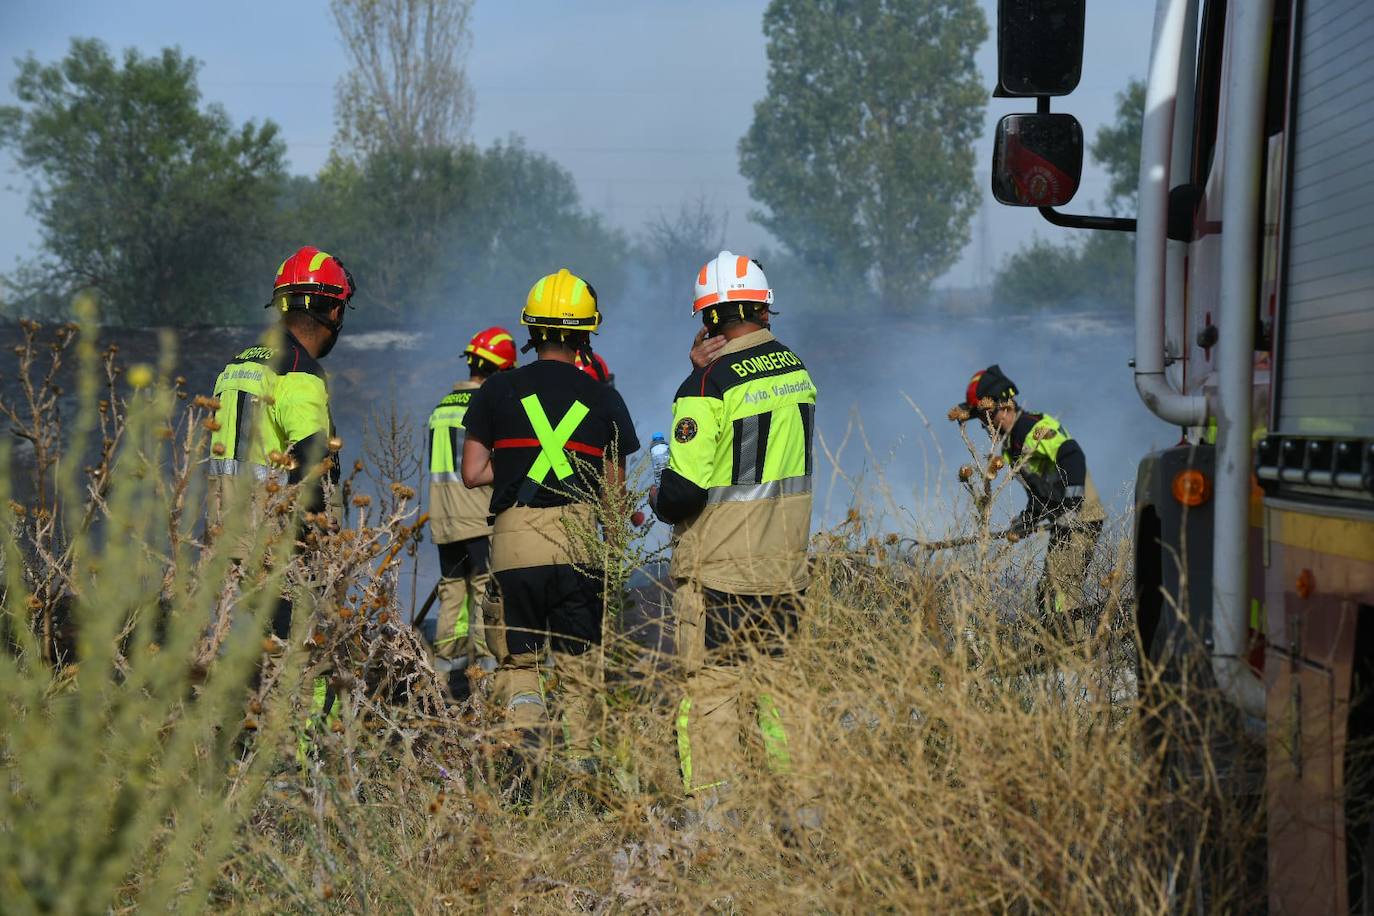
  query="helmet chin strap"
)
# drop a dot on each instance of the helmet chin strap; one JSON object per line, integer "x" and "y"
{"x": 333, "y": 327}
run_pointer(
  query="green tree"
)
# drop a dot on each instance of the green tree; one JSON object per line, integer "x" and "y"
{"x": 527, "y": 220}
{"x": 429, "y": 230}
{"x": 393, "y": 217}
{"x": 1116, "y": 147}
{"x": 1095, "y": 267}
{"x": 143, "y": 194}
{"x": 862, "y": 150}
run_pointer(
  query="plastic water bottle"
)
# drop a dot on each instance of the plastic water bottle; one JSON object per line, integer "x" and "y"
{"x": 658, "y": 456}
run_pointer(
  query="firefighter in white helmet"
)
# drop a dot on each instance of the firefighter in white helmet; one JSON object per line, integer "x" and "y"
{"x": 738, "y": 491}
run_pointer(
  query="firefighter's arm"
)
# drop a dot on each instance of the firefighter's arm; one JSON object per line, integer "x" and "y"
{"x": 691, "y": 459}
{"x": 302, "y": 408}
{"x": 1073, "y": 474}
{"x": 477, "y": 470}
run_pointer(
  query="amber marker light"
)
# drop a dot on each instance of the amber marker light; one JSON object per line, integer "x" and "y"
{"x": 1191, "y": 487}
{"x": 1307, "y": 583}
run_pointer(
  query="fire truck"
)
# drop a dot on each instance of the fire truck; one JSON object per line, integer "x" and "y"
{"x": 1254, "y": 334}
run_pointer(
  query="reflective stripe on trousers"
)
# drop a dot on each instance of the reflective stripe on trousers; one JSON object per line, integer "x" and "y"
{"x": 770, "y": 729}
{"x": 232, "y": 467}
{"x": 748, "y": 492}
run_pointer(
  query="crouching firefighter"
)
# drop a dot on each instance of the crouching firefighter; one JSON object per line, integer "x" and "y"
{"x": 1059, "y": 491}
{"x": 551, "y": 441}
{"x": 459, "y": 519}
{"x": 738, "y": 491}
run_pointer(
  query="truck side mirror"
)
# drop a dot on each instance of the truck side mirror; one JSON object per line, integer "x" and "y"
{"x": 1039, "y": 47}
{"x": 1037, "y": 159}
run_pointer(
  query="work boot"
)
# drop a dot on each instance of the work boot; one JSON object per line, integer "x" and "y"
{"x": 709, "y": 810}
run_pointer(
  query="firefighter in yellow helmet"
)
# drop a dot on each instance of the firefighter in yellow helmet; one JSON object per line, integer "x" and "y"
{"x": 459, "y": 519}
{"x": 550, "y": 440}
{"x": 738, "y": 491}
{"x": 1059, "y": 491}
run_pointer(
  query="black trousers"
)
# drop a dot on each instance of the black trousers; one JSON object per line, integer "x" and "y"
{"x": 561, "y": 600}
{"x": 736, "y": 621}
{"x": 460, "y": 559}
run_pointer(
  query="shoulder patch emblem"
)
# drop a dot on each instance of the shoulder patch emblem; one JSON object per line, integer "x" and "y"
{"x": 685, "y": 430}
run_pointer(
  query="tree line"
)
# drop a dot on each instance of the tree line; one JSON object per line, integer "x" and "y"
{"x": 859, "y": 161}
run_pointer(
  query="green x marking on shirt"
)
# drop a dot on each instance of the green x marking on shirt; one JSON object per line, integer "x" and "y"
{"x": 551, "y": 440}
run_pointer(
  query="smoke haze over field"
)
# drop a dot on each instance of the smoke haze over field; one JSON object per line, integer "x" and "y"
{"x": 900, "y": 464}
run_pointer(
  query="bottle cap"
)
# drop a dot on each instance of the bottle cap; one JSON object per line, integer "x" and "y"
{"x": 660, "y": 436}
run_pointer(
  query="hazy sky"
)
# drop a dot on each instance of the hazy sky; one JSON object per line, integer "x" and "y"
{"x": 643, "y": 102}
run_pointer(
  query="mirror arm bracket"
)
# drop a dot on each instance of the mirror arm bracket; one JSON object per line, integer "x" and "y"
{"x": 1074, "y": 221}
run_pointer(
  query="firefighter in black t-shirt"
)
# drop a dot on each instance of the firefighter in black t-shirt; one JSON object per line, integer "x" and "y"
{"x": 549, "y": 439}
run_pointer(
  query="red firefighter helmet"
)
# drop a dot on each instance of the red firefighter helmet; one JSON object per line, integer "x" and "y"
{"x": 309, "y": 273}
{"x": 595, "y": 367}
{"x": 495, "y": 346}
{"x": 991, "y": 383}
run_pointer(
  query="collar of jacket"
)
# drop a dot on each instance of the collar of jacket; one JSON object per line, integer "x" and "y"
{"x": 744, "y": 342}
{"x": 466, "y": 385}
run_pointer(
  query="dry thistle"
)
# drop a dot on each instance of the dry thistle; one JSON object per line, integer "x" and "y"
{"x": 335, "y": 443}
{"x": 362, "y": 500}
{"x": 345, "y": 613}
{"x": 402, "y": 491}
{"x": 965, "y": 472}
{"x": 211, "y": 424}
{"x": 206, "y": 403}
{"x": 958, "y": 413}
{"x": 217, "y": 449}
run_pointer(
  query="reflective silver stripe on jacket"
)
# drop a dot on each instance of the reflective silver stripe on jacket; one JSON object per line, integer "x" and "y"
{"x": 748, "y": 492}
{"x": 232, "y": 467}
{"x": 1073, "y": 492}
{"x": 445, "y": 477}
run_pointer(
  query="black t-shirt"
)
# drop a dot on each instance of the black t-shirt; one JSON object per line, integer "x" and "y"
{"x": 582, "y": 420}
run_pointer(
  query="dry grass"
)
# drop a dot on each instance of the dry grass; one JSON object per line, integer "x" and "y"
{"x": 961, "y": 758}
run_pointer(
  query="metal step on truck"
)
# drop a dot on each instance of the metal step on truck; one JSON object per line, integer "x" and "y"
{"x": 1254, "y": 334}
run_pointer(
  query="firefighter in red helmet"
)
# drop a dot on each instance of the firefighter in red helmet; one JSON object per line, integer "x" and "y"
{"x": 459, "y": 521}
{"x": 1052, "y": 468}
{"x": 274, "y": 424}
{"x": 594, "y": 365}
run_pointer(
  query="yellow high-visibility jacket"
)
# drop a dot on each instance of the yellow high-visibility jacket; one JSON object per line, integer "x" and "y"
{"x": 455, "y": 512}
{"x": 738, "y": 484}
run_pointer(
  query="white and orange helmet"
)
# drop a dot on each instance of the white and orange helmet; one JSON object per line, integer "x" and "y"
{"x": 729, "y": 278}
